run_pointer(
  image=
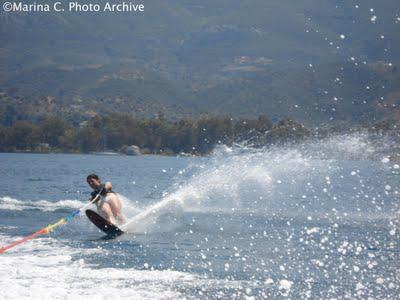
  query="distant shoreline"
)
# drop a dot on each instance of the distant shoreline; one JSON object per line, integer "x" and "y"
{"x": 100, "y": 154}
{"x": 118, "y": 134}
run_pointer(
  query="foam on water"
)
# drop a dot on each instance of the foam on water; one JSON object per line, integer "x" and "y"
{"x": 8, "y": 203}
{"x": 52, "y": 272}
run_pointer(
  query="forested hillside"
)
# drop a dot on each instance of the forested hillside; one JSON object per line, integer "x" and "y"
{"x": 318, "y": 62}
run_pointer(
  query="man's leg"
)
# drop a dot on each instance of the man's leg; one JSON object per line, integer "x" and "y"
{"x": 106, "y": 211}
{"x": 116, "y": 208}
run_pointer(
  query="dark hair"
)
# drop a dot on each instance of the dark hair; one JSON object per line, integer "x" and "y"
{"x": 92, "y": 176}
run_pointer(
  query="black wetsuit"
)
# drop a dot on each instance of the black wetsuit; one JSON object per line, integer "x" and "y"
{"x": 101, "y": 190}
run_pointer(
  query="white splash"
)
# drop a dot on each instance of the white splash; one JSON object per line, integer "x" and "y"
{"x": 235, "y": 179}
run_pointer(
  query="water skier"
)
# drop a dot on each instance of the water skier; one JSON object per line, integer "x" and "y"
{"x": 108, "y": 205}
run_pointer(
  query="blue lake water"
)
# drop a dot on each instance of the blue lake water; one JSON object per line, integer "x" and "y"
{"x": 312, "y": 221}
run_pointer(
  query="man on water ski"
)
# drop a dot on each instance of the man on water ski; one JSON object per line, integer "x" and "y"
{"x": 108, "y": 204}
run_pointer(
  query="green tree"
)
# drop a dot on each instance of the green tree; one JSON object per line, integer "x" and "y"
{"x": 51, "y": 130}
{"x": 89, "y": 139}
{"x": 23, "y": 135}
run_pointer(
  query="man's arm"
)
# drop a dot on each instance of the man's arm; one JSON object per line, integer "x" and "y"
{"x": 91, "y": 197}
{"x": 108, "y": 186}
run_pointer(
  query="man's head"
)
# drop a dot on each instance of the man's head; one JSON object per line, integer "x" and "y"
{"x": 94, "y": 181}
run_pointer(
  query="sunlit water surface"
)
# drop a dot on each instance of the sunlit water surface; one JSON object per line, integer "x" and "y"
{"x": 318, "y": 220}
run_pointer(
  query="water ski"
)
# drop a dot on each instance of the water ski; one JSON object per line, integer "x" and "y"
{"x": 108, "y": 228}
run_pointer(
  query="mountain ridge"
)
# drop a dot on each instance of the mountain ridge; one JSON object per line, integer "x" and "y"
{"x": 187, "y": 59}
